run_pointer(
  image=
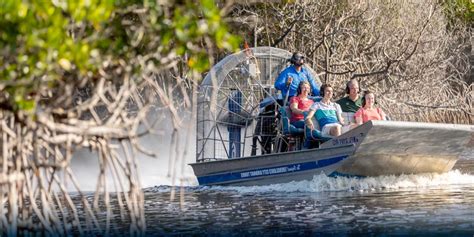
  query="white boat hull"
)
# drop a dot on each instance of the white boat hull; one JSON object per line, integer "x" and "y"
{"x": 394, "y": 148}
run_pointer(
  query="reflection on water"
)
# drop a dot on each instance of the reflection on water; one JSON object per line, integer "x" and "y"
{"x": 403, "y": 205}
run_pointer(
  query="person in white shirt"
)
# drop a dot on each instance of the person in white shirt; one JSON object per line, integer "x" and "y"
{"x": 328, "y": 113}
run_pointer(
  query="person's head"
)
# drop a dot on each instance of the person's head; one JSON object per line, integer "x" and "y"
{"x": 352, "y": 88}
{"x": 326, "y": 91}
{"x": 369, "y": 99}
{"x": 303, "y": 86}
{"x": 297, "y": 59}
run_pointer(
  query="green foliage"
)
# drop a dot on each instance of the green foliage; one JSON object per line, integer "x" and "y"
{"x": 459, "y": 10}
{"x": 465, "y": 10}
{"x": 188, "y": 25}
{"x": 38, "y": 44}
{"x": 44, "y": 44}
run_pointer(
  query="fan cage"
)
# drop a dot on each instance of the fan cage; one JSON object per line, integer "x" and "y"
{"x": 231, "y": 122}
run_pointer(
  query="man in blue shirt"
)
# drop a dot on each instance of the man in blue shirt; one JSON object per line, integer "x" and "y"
{"x": 289, "y": 79}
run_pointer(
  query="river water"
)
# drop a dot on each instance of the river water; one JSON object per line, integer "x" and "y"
{"x": 427, "y": 204}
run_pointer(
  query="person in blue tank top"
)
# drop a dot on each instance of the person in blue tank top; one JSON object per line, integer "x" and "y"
{"x": 328, "y": 114}
{"x": 289, "y": 79}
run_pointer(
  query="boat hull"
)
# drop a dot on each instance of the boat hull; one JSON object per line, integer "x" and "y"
{"x": 273, "y": 168}
{"x": 394, "y": 148}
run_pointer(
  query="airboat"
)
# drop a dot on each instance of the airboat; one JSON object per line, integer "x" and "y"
{"x": 243, "y": 136}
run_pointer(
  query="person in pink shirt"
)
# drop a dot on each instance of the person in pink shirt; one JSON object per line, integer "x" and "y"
{"x": 300, "y": 103}
{"x": 368, "y": 111}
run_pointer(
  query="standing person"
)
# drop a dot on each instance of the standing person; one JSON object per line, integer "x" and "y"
{"x": 289, "y": 79}
{"x": 300, "y": 104}
{"x": 351, "y": 103}
{"x": 368, "y": 111}
{"x": 328, "y": 113}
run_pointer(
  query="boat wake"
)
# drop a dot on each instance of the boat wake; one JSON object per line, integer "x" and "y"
{"x": 323, "y": 183}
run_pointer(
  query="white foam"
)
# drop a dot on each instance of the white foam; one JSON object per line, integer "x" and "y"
{"x": 323, "y": 183}
{"x": 180, "y": 180}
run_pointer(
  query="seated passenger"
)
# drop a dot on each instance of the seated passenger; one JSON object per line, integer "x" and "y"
{"x": 300, "y": 104}
{"x": 351, "y": 103}
{"x": 368, "y": 111}
{"x": 328, "y": 114}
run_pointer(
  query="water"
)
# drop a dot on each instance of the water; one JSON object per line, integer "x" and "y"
{"x": 428, "y": 204}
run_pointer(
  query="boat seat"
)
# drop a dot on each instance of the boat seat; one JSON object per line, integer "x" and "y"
{"x": 288, "y": 128}
{"x": 348, "y": 117}
{"x": 315, "y": 98}
{"x": 293, "y": 135}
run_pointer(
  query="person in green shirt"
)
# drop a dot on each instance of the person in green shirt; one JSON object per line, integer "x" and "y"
{"x": 351, "y": 103}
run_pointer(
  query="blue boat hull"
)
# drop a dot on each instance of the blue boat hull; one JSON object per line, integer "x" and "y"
{"x": 273, "y": 168}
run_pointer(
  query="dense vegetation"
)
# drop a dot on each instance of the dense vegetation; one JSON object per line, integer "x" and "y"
{"x": 85, "y": 74}
{"x": 415, "y": 55}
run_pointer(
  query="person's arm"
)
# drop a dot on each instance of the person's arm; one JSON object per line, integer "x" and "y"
{"x": 382, "y": 114}
{"x": 294, "y": 107}
{"x": 308, "y": 120}
{"x": 339, "y": 114}
{"x": 281, "y": 81}
{"x": 312, "y": 83}
{"x": 340, "y": 118}
{"x": 358, "y": 120}
{"x": 358, "y": 117}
